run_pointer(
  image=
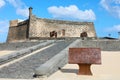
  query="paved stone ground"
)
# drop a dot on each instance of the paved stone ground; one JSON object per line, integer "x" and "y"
{"x": 24, "y": 69}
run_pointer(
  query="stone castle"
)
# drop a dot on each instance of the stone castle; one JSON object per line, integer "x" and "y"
{"x": 38, "y": 28}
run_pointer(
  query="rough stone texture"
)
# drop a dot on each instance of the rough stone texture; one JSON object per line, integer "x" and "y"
{"x": 25, "y": 68}
{"x": 19, "y": 45}
{"x": 17, "y": 31}
{"x": 54, "y": 63}
{"x": 20, "y": 53}
{"x": 51, "y": 66}
{"x": 105, "y": 45}
{"x": 84, "y": 56}
{"x": 62, "y": 58}
{"x": 14, "y": 23}
{"x": 42, "y": 28}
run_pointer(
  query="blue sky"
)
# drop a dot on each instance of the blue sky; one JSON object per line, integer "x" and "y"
{"x": 104, "y": 13}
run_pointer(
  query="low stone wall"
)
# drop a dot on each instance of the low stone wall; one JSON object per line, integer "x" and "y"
{"x": 54, "y": 63}
{"x": 20, "y": 53}
{"x": 105, "y": 45}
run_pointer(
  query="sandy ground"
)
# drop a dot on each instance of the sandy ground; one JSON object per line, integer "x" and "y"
{"x": 5, "y": 52}
{"x": 108, "y": 70}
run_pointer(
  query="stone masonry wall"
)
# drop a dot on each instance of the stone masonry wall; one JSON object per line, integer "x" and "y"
{"x": 17, "y": 31}
{"x": 104, "y": 45}
{"x": 42, "y": 28}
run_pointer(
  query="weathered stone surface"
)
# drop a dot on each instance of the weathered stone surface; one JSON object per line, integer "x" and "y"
{"x": 14, "y": 55}
{"x": 54, "y": 63}
{"x": 19, "y": 45}
{"x": 38, "y": 27}
{"x": 42, "y": 28}
{"x": 84, "y": 55}
{"x": 25, "y": 68}
{"x": 18, "y": 31}
{"x": 13, "y": 23}
{"x": 104, "y": 45}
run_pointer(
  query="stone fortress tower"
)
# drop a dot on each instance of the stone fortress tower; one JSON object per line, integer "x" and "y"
{"x": 39, "y": 28}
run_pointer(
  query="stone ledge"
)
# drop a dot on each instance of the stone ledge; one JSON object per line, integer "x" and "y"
{"x": 14, "y": 55}
{"x": 54, "y": 63}
{"x": 105, "y": 45}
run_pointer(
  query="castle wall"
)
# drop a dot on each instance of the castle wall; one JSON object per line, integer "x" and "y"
{"x": 42, "y": 28}
{"x": 17, "y": 30}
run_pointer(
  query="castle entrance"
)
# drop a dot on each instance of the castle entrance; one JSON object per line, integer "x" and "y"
{"x": 53, "y": 34}
{"x": 83, "y": 35}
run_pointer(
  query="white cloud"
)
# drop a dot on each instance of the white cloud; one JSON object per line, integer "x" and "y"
{"x": 4, "y": 26}
{"x": 112, "y": 6}
{"x": 71, "y": 12}
{"x": 117, "y": 1}
{"x": 22, "y": 12}
{"x": 2, "y": 3}
{"x": 21, "y": 8}
{"x": 115, "y": 28}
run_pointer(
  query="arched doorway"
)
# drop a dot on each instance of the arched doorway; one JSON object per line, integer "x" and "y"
{"x": 53, "y": 33}
{"x": 83, "y": 35}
